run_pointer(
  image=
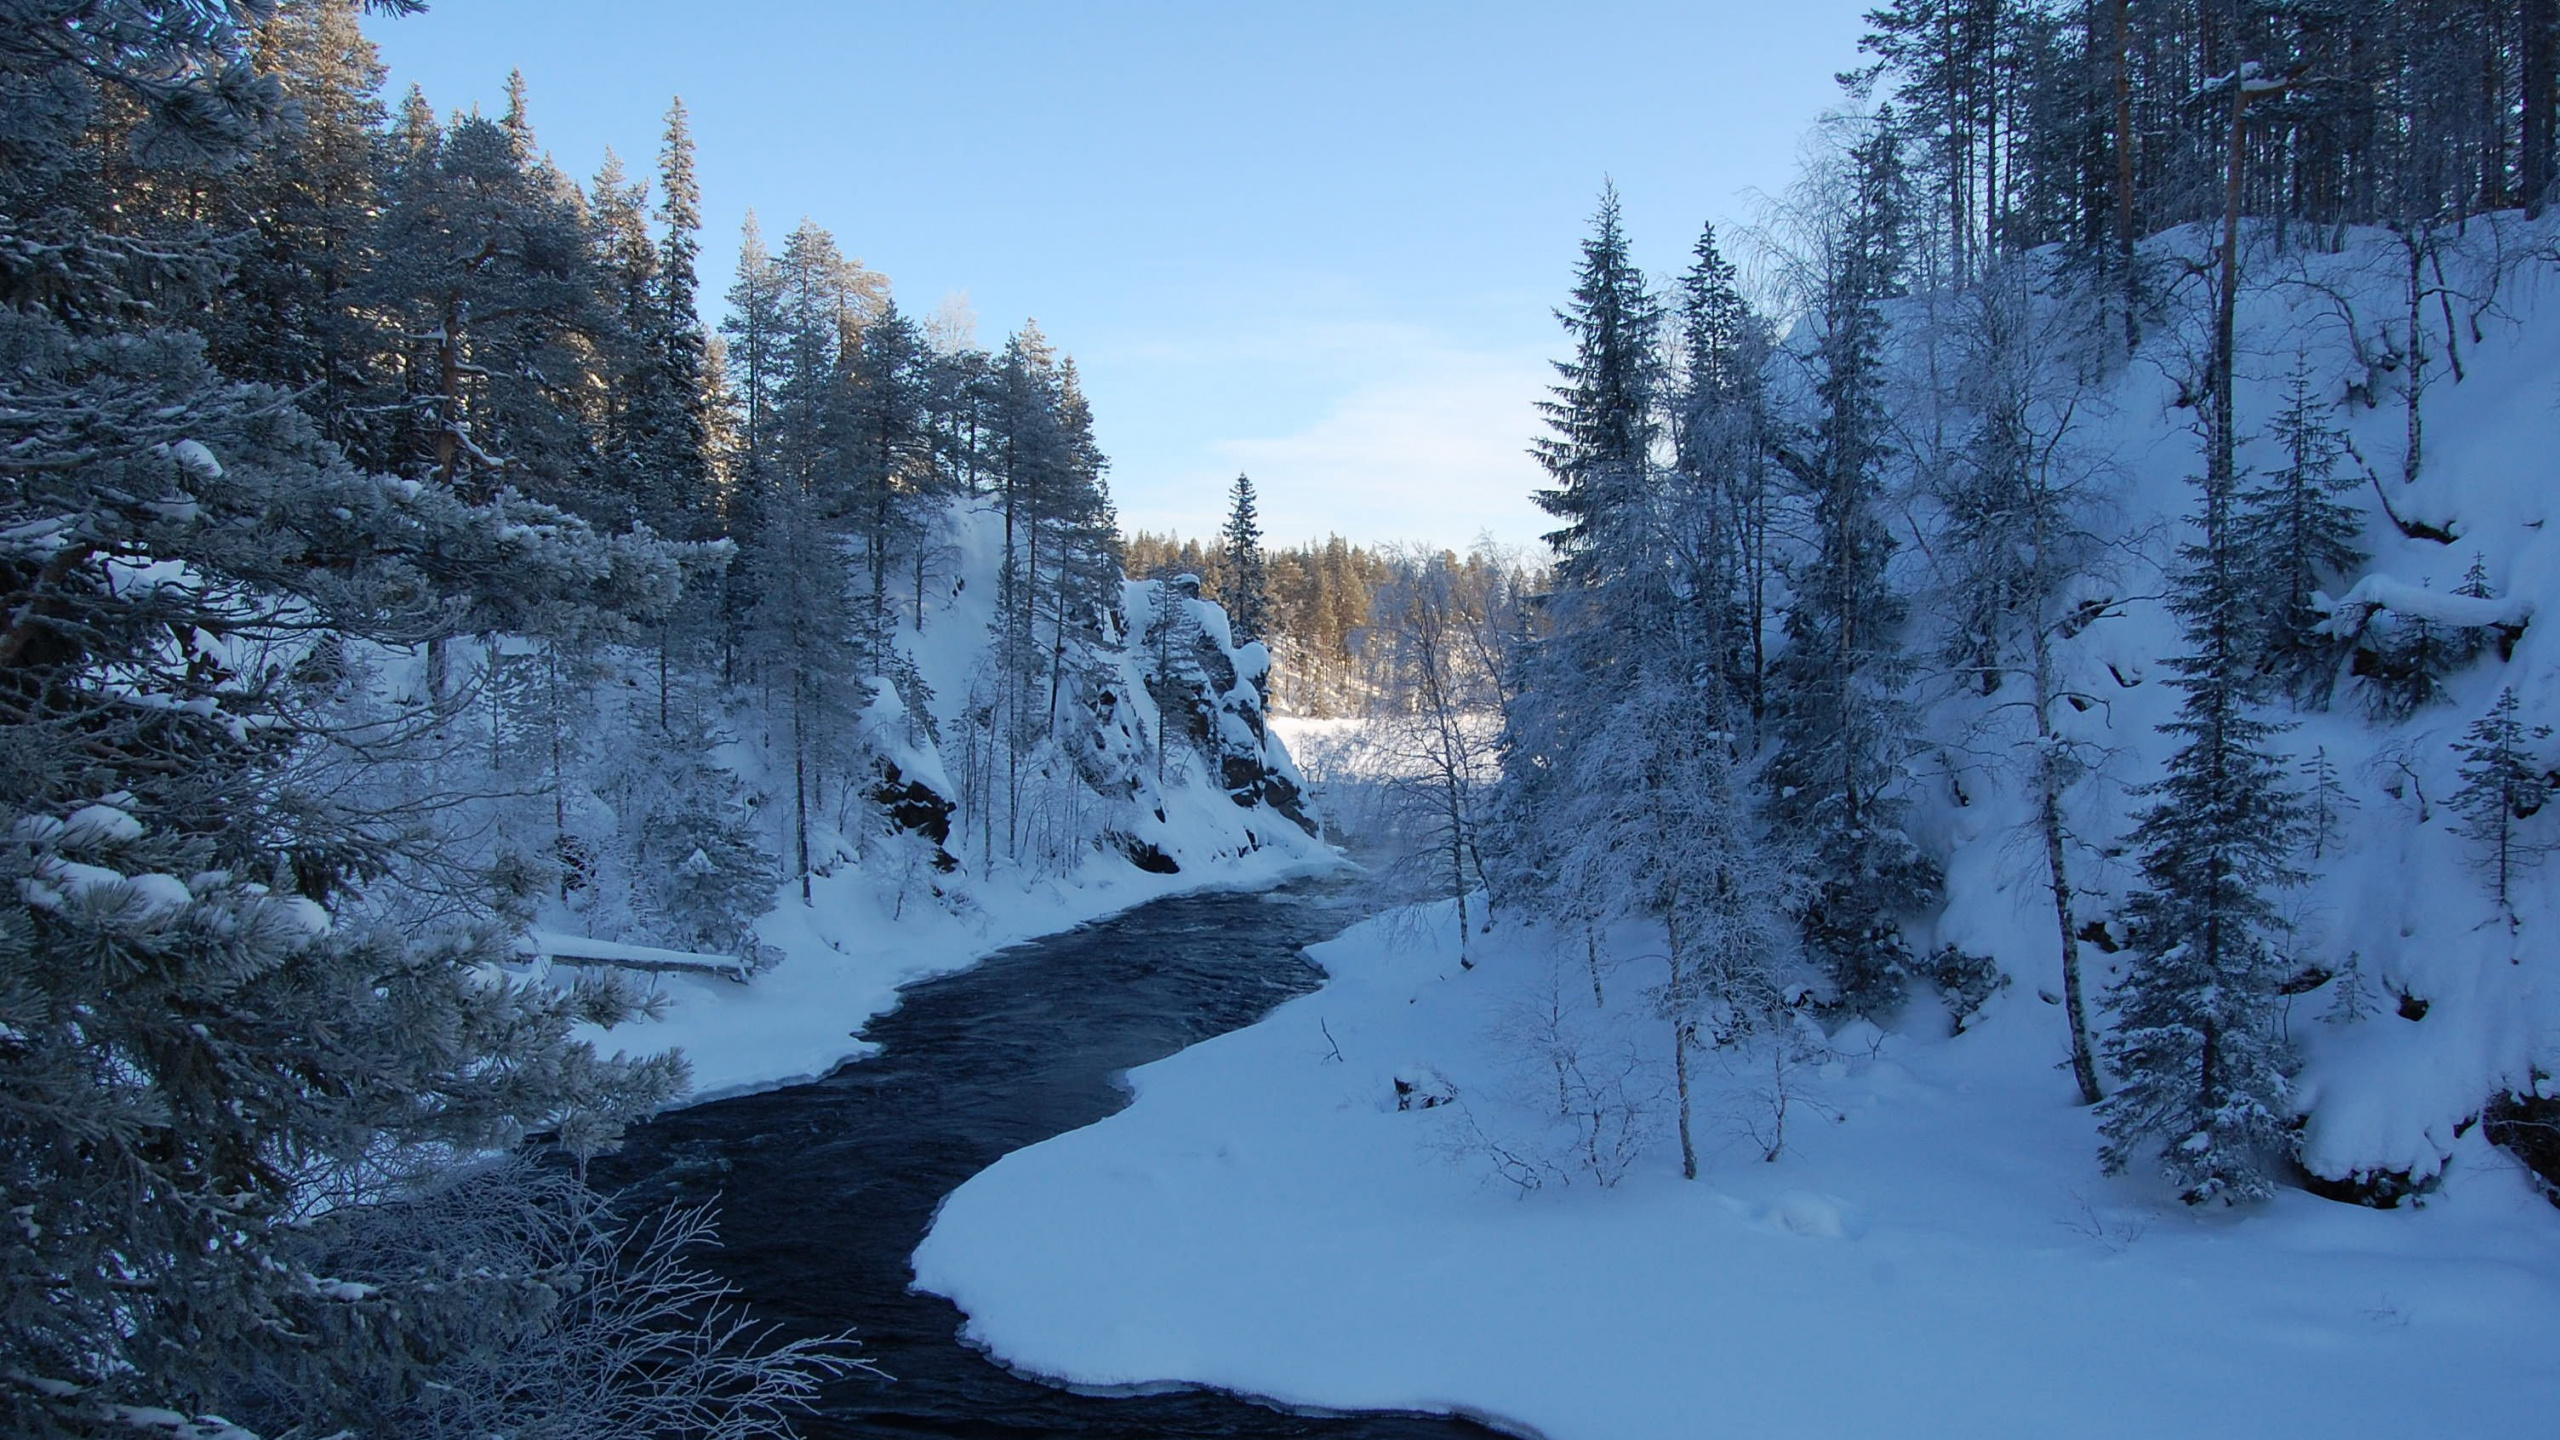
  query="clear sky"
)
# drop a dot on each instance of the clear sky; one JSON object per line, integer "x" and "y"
{"x": 1319, "y": 242}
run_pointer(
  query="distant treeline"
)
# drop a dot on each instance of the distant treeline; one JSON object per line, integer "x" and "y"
{"x": 1325, "y": 601}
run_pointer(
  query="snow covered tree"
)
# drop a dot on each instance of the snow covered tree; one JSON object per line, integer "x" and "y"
{"x": 1082, "y": 595}
{"x": 308, "y": 196}
{"x": 1836, "y": 702}
{"x": 2204, "y": 1065}
{"x": 2011, "y": 548}
{"x": 1664, "y": 829}
{"x": 675, "y": 416}
{"x": 2503, "y": 786}
{"x": 705, "y": 877}
{"x": 1608, "y": 605}
{"x": 204, "y": 1020}
{"x": 2296, "y": 538}
{"x": 1719, "y": 509}
{"x": 487, "y": 261}
{"x": 1439, "y": 624}
{"x": 810, "y": 652}
{"x": 1603, "y": 416}
{"x": 1029, "y": 454}
{"x": 1245, "y": 590}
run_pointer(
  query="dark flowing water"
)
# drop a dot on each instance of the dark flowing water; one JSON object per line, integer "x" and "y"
{"x": 825, "y": 1189}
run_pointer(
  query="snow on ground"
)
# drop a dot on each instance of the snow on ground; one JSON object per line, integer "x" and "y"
{"x": 1934, "y": 1251}
{"x": 1940, "y": 1259}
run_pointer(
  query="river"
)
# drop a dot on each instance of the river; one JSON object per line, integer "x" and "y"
{"x": 825, "y": 1189}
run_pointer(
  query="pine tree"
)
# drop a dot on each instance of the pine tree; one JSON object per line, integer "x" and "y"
{"x": 205, "y": 1032}
{"x": 680, "y": 431}
{"x": 1030, "y": 457}
{"x": 888, "y": 471}
{"x": 1084, "y": 589}
{"x": 2204, "y": 1065}
{"x": 488, "y": 255}
{"x": 287, "y": 316}
{"x": 2503, "y": 786}
{"x": 1246, "y": 589}
{"x": 811, "y": 654}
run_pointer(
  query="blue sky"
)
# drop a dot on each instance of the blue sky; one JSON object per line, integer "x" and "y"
{"x": 1317, "y": 242}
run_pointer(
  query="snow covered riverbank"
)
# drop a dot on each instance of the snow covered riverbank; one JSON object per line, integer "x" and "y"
{"x": 1931, "y": 1253}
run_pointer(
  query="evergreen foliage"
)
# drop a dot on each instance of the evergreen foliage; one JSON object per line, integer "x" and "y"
{"x": 2205, "y": 1068}
{"x": 1836, "y": 704}
{"x": 2296, "y": 538}
{"x": 1603, "y": 416}
{"x": 1244, "y": 587}
{"x": 383, "y": 531}
{"x": 2503, "y": 786}
{"x": 212, "y": 1026}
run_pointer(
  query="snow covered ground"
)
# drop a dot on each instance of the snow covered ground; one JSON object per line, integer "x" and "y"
{"x": 1931, "y": 1254}
{"x": 1933, "y": 1251}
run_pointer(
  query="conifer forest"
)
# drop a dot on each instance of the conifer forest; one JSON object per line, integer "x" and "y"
{"x": 615, "y": 826}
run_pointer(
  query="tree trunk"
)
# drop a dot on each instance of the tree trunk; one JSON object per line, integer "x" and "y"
{"x": 2535, "y": 81}
{"x": 800, "y": 784}
{"x": 2221, "y": 460}
{"x": 2124, "y": 175}
{"x": 2049, "y": 816}
{"x": 1679, "y": 1036}
{"x": 2416, "y": 358}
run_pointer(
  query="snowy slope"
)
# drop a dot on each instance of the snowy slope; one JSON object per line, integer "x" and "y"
{"x": 2393, "y": 891}
{"x": 886, "y": 918}
{"x": 1933, "y": 1250}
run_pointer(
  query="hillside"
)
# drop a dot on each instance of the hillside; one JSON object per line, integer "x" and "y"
{"x": 1451, "y": 1184}
{"x": 1165, "y": 780}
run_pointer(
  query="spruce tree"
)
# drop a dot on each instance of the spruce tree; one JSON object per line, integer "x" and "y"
{"x": 2503, "y": 786}
{"x": 2296, "y": 537}
{"x": 1246, "y": 591}
{"x": 1720, "y": 425}
{"x": 1603, "y": 416}
{"x": 680, "y": 426}
{"x": 212, "y": 1031}
{"x": 1602, "y": 421}
{"x": 2205, "y": 1068}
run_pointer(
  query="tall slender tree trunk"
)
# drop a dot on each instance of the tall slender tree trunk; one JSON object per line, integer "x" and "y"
{"x": 2126, "y": 280}
{"x": 1058, "y": 650}
{"x": 666, "y": 639}
{"x": 800, "y": 780}
{"x": 2084, "y": 1064}
{"x": 1675, "y": 990}
{"x": 2221, "y": 461}
{"x": 2535, "y": 78}
{"x": 2415, "y": 387}
{"x": 448, "y": 462}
